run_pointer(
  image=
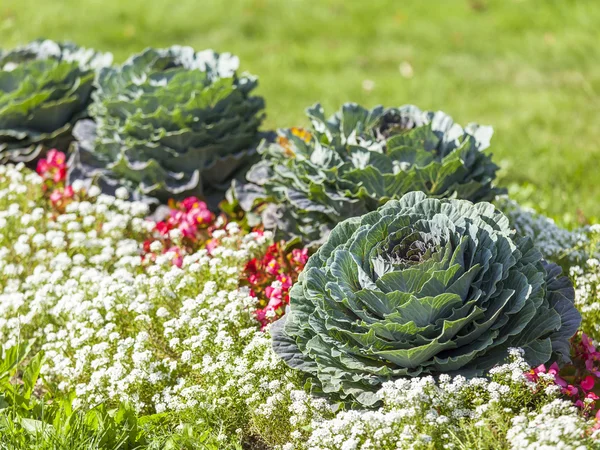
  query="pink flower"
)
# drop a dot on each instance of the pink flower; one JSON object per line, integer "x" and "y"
{"x": 56, "y": 196}
{"x": 55, "y": 158}
{"x": 560, "y": 382}
{"x": 261, "y": 316}
{"x": 272, "y": 267}
{"x": 533, "y": 375}
{"x": 42, "y": 166}
{"x": 285, "y": 280}
{"x": 200, "y": 216}
{"x": 211, "y": 245}
{"x": 272, "y": 293}
{"x": 191, "y": 203}
{"x": 300, "y": 256}
{"x": 588, "y": 383}
{"x": 554, "y": 369}
{"x": 187, "y": 229}
{"x": 570, "y": 390}
{"x": 59, "y": 175}
{"x": 176, "y": 217}
{"x": 587, "y": 343}
{"x": 177, "y": 258}
{"x": 274, "y": 304}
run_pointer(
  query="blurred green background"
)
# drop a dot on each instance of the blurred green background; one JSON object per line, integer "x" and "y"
{"x": 530, "y": 68}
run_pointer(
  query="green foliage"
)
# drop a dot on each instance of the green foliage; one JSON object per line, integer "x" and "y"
{"x": 422, "y": 286}
{"x": 44, "y": 88}
{"x": 358, "y": 159}
{"x": 32, "y": 417}
{"x": 481, "y": 59}
{"x": 169, "y": 124}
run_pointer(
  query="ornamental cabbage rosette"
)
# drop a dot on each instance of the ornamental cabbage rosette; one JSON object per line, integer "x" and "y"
{"x": 357, "y": 160}
{"x": 45, "y": 87}
{"x": 422, "y": 286}
{"x": 169, "y": 123}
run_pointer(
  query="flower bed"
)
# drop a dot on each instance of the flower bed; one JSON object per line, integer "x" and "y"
{"x": 323, "y": 304}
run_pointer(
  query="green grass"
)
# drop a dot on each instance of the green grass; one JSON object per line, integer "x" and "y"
{"x": 530, "y": 68}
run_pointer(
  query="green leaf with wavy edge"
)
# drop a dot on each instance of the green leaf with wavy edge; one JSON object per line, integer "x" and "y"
{"x": 422, "y": 286}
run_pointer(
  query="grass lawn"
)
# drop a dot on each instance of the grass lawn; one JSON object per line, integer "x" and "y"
{"x": 530, "y": 68}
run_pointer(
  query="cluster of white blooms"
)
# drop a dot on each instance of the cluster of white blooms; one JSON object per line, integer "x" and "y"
{"x": 418, "y": 411}
{"x": 555, "y": 243}
{"x": 117, "y": 326}
{"x": 586, "y": 278}
{"x": 111, "y": 325}
{"x": 43, "y": 254}
{"x": 147, "y": 337}
{"x": 557, "y": 426}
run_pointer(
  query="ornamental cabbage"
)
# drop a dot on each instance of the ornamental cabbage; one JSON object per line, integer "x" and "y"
{"x": 357, "y": 160}
{"x": 422, "y": 286}
{"x": 45, "y": 88}
{"x": 169, "y": 124}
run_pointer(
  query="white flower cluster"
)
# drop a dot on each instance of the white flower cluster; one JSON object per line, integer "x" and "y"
{"x": 419, "y": 411}
{"x": 40, "y": 250}
{"x": 557, "y": 426}
{"x": 115, "y": 326}
{"x": 148, "y": 337}
{"x": 109, "y": 327}
{"x": 586, "y": 279}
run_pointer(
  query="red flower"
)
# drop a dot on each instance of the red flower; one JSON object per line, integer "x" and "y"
{"x": 163, "y": 228}
{"x": 192, "y": 202}
{"x": 251, "y": 266}
{"x": 53, "y": 168}
{"x": 271, "y": 278}
{"x": 42, "y": 167}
